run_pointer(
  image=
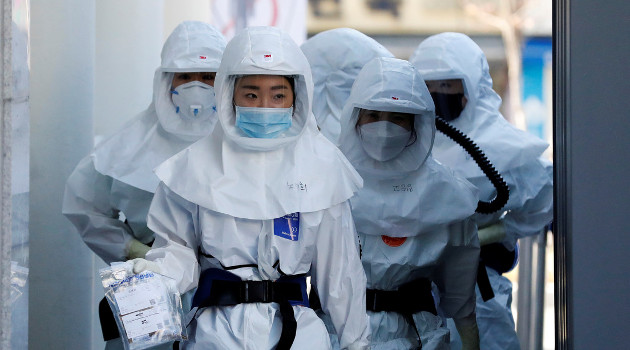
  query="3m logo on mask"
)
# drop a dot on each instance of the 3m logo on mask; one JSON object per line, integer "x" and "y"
{"x": 267, "y": 57}
{"x": 287, "y": 227}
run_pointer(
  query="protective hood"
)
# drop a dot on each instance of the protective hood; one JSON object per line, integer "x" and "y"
{"x": 192, "y": 47}
{"x": 255, "y": 178}
{"x": 131, "y": 154}
{"x": 411, "y": 193}
{"x": 456, "y": 56}
{"x": 336, "y": 57}
{"x": 388, "y": 84}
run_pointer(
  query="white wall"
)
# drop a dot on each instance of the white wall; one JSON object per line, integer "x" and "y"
{"x": 176, "y": 11}
{"x": 128, "y": 45}
{"x": 62, "y": 61}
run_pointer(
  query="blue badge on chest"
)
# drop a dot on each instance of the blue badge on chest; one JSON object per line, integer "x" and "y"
{"x": 287, "y": 226}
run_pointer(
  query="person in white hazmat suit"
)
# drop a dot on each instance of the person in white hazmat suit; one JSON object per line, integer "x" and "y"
{"x": 258, "y": 205}
{"x": 456, "y": 72}
{"x": 413, "y": 215}
{"x": 116, "y": 180}
{"x": 336, "y": 57}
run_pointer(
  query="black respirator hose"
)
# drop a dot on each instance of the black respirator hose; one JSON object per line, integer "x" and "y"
{"x": 503, "y": 192}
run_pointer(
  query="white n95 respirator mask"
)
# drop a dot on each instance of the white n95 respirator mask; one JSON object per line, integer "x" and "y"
{"x": 194, "y": 100}
{"x": 383, "y": 140}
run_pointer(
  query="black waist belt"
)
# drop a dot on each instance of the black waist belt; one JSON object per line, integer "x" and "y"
{"x": 222, "y": 288}
{"x": 410, "y": 298}
{"x": 483, "y": 282}
{"x": 497, "y": 257}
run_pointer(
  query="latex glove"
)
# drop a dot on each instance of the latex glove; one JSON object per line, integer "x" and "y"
{"x": 468, "y": 331}
{"x": 137, "y": 249}
{"x": 491, "y": 234}
{"x": 140, "y": 265}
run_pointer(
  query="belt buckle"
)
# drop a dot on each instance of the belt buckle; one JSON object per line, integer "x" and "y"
{"x": 257, "y": 291}
{"x": 375, "y": 303}
{"x": 244, "y": 291}
{"x": 268, "y": 294}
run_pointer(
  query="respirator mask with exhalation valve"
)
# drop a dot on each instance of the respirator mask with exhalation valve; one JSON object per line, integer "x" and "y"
{"x": 194, "y": 100}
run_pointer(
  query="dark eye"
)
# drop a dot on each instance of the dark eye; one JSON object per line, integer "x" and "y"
{"x": 183, "y": 76}
{"x": 208, "y": 77}
{"x": 279, "y": 96}
{"x": 251, "y": 95}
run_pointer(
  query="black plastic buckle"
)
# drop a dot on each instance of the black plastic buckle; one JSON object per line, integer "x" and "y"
{"x": 256, "y": 291}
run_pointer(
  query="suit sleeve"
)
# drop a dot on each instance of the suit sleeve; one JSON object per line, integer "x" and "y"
{"x": 174, "y": 221}
{"x": 87, "y": 204}
{"x": 339, "y": 277}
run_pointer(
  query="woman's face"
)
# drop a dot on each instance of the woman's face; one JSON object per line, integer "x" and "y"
{"x": 263, "y": 91}
{"x": 367, "y": 116}
{"x": 187, "y": 77}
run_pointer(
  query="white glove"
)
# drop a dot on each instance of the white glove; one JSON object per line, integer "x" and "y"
{"x": 491, "y": 234}
{"x": 140, "y": 265}
{"x": 468, "y": 331}
{"x": 137, "y": 249}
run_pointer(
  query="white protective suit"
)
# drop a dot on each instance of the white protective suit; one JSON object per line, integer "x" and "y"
{"x": 218, "y": 200}
{"x": 336, "y": 57}
{"x": 413, "y": 215}
{"x": 117, "y": 178}
{"x": 515, "y": 154}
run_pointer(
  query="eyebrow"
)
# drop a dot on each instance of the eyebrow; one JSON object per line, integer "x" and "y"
{"x": 255, "y": 87}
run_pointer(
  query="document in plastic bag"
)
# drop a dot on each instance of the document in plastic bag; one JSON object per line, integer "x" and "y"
{"x": 147, "y": 306}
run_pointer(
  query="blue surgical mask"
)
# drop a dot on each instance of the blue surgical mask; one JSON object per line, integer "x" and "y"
{"x": 265, "y": 123}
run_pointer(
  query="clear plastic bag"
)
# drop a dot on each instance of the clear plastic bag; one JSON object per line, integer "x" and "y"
{"x": 19, "y": 277}
{"x": 147, "y": 306}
